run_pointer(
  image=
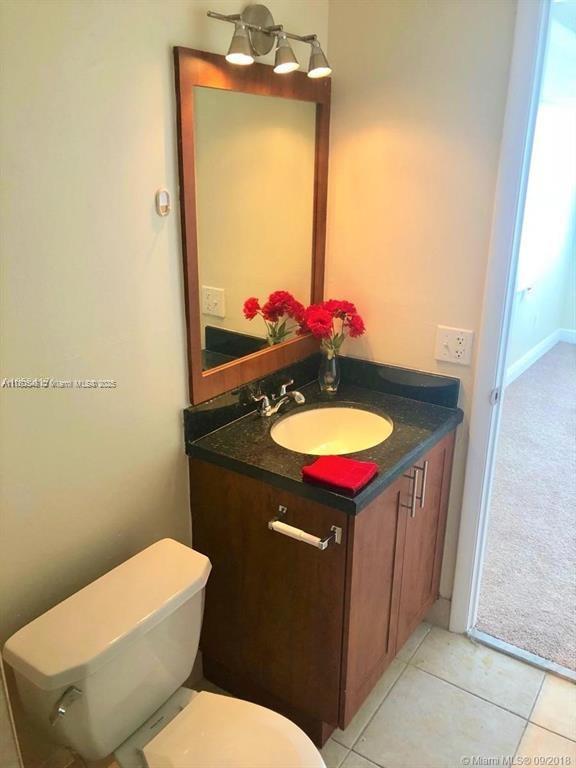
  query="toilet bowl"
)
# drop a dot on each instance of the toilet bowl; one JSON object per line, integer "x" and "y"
{"x": 102, "y": 673}
{"x": 215, "y": 731}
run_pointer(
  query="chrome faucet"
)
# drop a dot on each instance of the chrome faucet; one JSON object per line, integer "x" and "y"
{"x": 271, "y": 405}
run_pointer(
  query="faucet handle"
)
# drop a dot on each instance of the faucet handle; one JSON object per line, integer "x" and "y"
{"x": 284, "y": 387}
{"x": 263, "y": 399}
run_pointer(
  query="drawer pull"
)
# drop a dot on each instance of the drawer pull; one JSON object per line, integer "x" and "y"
{"x": 414, "y": 497}
{"x": 277, "y": 525}
{"x": 424, "y": 470}
{"x": 413, "y": 477}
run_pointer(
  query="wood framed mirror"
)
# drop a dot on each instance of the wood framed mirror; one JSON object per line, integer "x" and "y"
{"x": 253, "y": 164}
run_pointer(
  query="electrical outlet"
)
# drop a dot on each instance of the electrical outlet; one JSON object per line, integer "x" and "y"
{"x": 454, "y": 345}
{"x": 213, "y": 301}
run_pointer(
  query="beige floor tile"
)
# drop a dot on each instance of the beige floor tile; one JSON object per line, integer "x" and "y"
{"x": 411, "y": 645}
{"x": 555, "y": 708}
{"x": 333, "y": 753}
{"x": 491, "y": 675}
{"x": 354, "y": 760}
{"x": 538, "y": 742}
{"x": 375, "y": 698}
{"x": 428, "y": 723}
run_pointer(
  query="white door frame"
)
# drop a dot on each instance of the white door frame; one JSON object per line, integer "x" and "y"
{"x": 515, "y": 151}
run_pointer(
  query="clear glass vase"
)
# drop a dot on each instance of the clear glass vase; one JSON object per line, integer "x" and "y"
{"x": 329, "y": 373}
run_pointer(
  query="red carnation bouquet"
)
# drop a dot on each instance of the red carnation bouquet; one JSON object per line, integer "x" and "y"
{"x": 280, "y": 307}
{"x": 331, "y": 322}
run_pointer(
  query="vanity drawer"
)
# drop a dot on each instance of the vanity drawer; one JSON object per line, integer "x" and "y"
{"x": 274, "y": 605}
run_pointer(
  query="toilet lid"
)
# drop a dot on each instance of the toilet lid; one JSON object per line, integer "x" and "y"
{"x": 216, "y": 731}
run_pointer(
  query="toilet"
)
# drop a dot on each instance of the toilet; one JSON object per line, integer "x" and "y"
{"x": 102, "y": 673}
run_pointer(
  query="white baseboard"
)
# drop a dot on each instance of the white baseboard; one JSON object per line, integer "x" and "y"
{"x": 534, "y": 354}
{"x": 567, "y": 335}
{"x": 439, "y": 613}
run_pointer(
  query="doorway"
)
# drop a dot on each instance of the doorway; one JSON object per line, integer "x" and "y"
{"x": 528, "y": 584}
{"x": 515, "y": 567}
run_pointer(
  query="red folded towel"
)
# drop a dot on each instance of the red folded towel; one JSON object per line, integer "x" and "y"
{"x": 340, "y": 473}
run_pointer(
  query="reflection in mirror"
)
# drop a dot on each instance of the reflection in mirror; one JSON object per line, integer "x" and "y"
{"x": 254, "y": 160}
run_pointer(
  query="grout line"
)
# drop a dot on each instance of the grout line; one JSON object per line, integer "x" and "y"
{"x": 378, "y": 707}
{"x": 543, "y": 727}
{"x": 533, "y": 707}
{"x": 415, "y": 651}
{"x": 348, "y": 750}
{"x": 400, "y": 661}
{"x": 370, "y": 762}
{"x": 377, "y": 765}
{"x": 465, "y": 690}
{"x": 560, "y": 735}
{"x": 529, "y": 716}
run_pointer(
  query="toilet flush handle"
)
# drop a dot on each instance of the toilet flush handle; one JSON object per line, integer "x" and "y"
{"x": 64, "y": 703}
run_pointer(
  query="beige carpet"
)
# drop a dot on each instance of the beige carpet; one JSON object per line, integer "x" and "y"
{"x": 528, "y": 592}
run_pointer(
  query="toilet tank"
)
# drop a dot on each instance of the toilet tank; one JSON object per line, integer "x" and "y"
{"x": 125, "y": 642}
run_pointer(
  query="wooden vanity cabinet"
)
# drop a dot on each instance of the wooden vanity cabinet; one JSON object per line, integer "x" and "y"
{"x": 305, "y": 631}
{"x": 274, "y": 607}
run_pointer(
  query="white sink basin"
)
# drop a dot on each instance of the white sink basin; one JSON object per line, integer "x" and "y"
{"x": 331, "y": 431}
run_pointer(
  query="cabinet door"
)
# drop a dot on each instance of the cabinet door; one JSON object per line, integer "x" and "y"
{"x": 424, "y": 536}
{"x": 372, "y": 592}
{"x": 274, "y": 605}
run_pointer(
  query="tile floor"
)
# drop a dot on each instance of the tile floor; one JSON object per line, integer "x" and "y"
{"x": 447, "y": 702}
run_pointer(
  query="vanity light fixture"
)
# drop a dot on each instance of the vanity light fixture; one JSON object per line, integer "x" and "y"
{"x": 240, "y": 51}
{"x": 255, "y": 34}
{"x": 318, "y": 66}
{"x": 285, "y": 60}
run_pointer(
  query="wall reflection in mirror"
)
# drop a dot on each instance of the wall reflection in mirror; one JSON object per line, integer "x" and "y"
{"x": 254, "y": 160}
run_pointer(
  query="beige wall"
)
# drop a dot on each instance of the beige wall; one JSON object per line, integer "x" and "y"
{"x": 419, "y": 93}
{"x": 92, "y": 285}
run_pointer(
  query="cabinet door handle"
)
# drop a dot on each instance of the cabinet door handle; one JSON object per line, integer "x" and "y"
{"x": 277, "y": 525}
{"x": 424, "y": 470}
{"x": 413, "y": 476}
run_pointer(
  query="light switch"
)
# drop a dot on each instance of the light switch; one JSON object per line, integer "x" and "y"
{"x": 213, "y": 301}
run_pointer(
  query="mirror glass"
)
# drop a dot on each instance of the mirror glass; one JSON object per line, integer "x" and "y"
{"x": 254, "y": 159}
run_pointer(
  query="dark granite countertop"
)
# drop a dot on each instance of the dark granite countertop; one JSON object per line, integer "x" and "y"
{"x": 245, "y": 445}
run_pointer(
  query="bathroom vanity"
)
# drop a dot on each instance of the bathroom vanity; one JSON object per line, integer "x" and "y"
{"x": 305, "y": 630}
{"x": 304, "y": 626}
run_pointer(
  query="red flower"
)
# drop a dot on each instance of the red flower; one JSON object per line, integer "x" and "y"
{"x": 356, "y": 326}
{"x": 339, "y": 308}
{"x": 281, "y": 303}
{"x": 297, "y": 311}
{"x": 251, "y": 308}
{"x": 318, "y": 321}
{"x": 332, "y": 321}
